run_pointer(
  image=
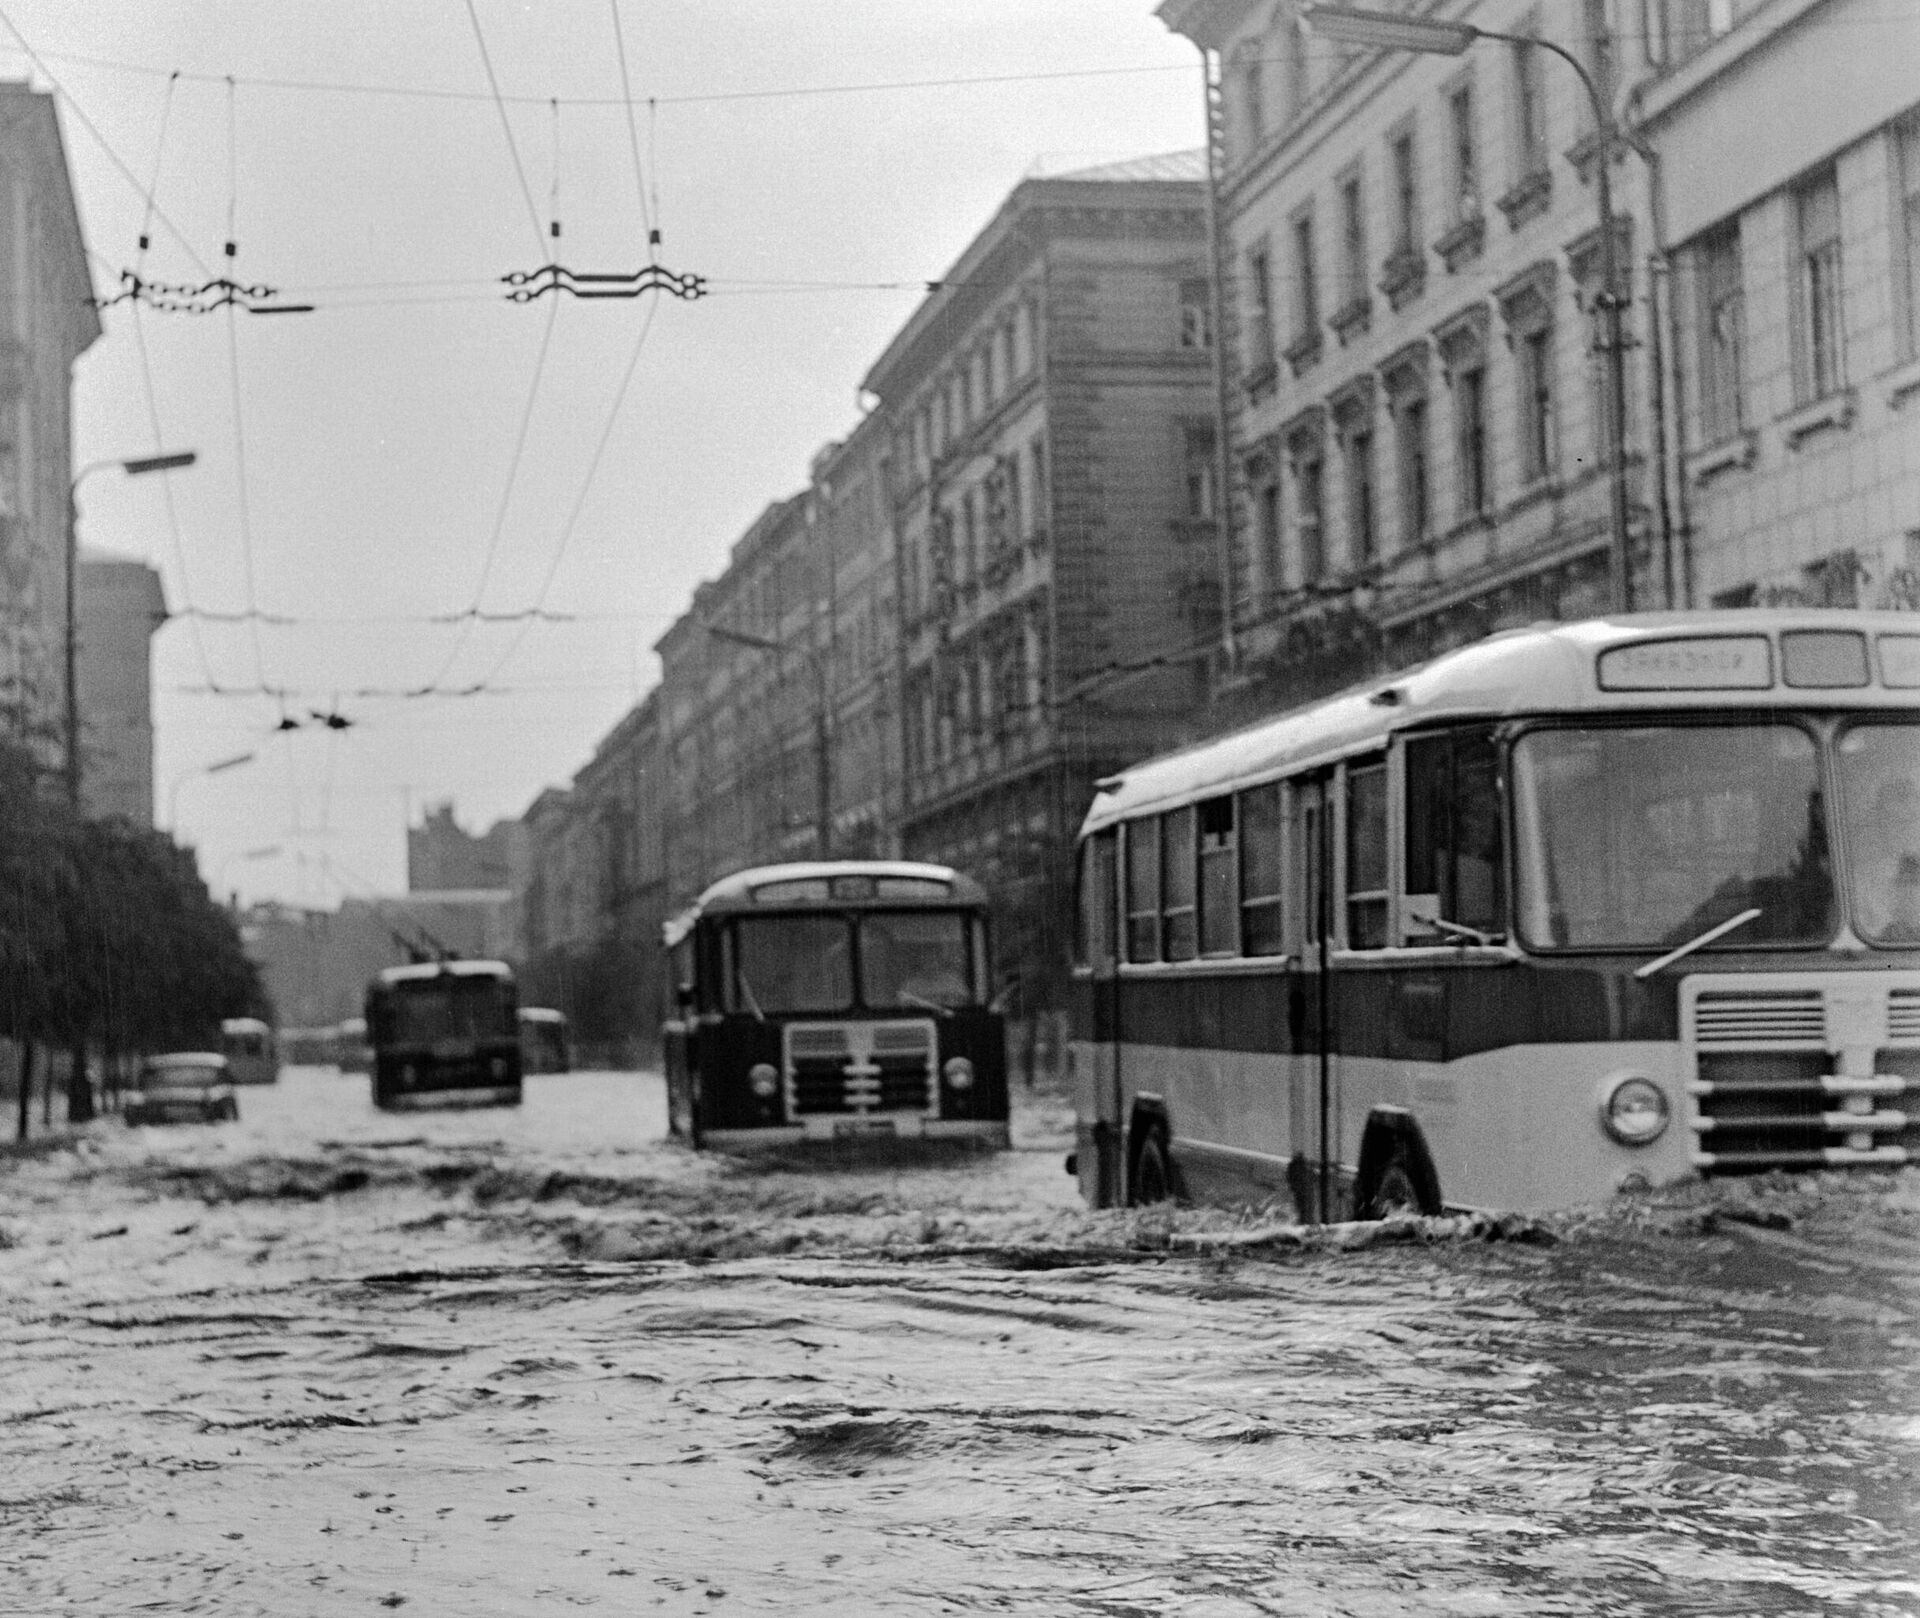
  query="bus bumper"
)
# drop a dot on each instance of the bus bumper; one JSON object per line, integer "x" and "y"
{"x": 986, "y": 1132}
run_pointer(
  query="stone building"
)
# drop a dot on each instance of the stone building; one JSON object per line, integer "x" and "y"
{"x": 442, "y": 854}
{"x": 47, "y": 320}
{"x": 1050, "y": 469}
{"x": 1795, "y": 309}
{"x": 1410, "y": 252}
{"x": 121, "y": 606}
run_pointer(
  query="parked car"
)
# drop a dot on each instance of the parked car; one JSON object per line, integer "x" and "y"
{"x": 184, "y": 1087}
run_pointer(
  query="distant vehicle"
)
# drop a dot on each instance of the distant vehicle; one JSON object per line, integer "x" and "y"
{"x": 445, "y": 1027}
{"x": 834, "y": 998}
{"x": 1579, "y": 908}
{"x": 185, "y": 1087}
{"x": 253, "y": 1055}
{"x": 351, "y": 1053}
{"x": 544, "y": 1047}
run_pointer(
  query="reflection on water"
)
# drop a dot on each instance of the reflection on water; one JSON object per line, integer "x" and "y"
{"x": 398, "y": 1391}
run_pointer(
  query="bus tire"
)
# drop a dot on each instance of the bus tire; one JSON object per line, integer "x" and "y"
{"x": 1396, "y": 1173}
{"x": 1150, "y": 1168}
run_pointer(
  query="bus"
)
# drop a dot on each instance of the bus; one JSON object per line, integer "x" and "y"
{"x": 822, "y": 1000}
{"x": 543, "y": 1041}
{"x": 1577, "y": 909}
{"x": 252, "y": 1054}
{"x": 444, "y": 1028}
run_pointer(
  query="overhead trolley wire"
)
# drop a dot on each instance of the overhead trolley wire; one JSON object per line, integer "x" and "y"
{"x": 506, "y": 125}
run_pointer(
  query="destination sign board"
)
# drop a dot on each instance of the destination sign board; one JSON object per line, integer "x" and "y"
{"x": 1690, "y": 663}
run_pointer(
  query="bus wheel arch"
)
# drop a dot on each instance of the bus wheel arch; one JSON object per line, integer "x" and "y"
{"x": 1151, "y": 1176}
{"x": 1395, "y": 1173}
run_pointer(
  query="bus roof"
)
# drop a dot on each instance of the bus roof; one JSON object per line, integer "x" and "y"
{"x": 545, "y": 1014}
{"x": 244, "y": 1025}
{"x": 427, "y": 971}
{"x": 1840, "y": 657}
{"x": 811, "y": 883}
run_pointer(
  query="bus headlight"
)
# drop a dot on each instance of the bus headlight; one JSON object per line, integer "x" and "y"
{"x": 765, "y": 1079}
{"x": 1634, "y": 1109}
{"x": 958, "y": 1073}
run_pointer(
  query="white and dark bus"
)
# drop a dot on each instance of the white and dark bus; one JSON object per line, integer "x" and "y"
{"x": 1577, "y": 908}
{"x": 827, "y": 999}
{"x": 444, "y": 1028}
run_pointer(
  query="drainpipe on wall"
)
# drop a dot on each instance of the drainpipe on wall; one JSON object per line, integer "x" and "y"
{"x": 1217, "y": 290}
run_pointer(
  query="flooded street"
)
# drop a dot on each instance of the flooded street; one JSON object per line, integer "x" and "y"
{"x": 332, "y": 1360}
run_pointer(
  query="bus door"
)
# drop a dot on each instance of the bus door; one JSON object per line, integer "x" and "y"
{"x": 1098, "y": 1103}
{"x": 1310, "y": 1007}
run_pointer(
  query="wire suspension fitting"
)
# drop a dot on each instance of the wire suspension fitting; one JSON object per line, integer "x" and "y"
{"x": 528, "y": 285}
{"x": 186, "y": 298}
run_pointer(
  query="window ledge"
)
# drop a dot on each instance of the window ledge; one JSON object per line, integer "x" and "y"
{"x": 1733, "y": 454}
{"x": 1259, "y": 381}
{"x": 1902, "y": 383}
{"x": 1403, "y": 276}
{"x": 1303, "y": 353}
{"x": 1463, "y": 243}
{"x": 1836, "y": 410}
{"x": 1528, "y": 199}
{"x": 1355, "y": 315}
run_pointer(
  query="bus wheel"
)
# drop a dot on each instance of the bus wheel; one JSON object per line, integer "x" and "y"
{"x": 1397, "y": 1190}
{"x": 1150, "y": 1177}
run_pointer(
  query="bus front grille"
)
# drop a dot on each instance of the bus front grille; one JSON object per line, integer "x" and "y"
{"x": 1802, "y": 1070}
{"x": 859, "y": 1069}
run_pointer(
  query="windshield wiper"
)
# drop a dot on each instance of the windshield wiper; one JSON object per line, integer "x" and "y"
{"x": 753, "y": 1003}
{"x": 913, "y": 999}
{"x": 1458, "y": 931}
{"x": 1701, "y": 942}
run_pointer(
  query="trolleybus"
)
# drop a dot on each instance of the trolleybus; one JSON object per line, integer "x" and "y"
{"x": 443, "y": 1028}
{"x": 822, "y": 1000}
{"x": 1577, "y": 908}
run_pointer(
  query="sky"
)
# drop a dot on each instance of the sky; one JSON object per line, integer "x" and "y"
{"x": 418, "y": 446}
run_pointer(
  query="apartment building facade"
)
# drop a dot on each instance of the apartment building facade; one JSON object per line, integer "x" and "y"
{"x": 47, "y": 320}
{"x": 1795, "y": 314}
{"x": 1050, "y": 468}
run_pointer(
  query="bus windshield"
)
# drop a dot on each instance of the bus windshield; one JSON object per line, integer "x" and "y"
{"x": 1644, "y": 837}
{"x": 792, "y": 963}
{"x": 1880, "y": 787}
{"x": 915, "y": 958}
{"x": 426, "y": 1012}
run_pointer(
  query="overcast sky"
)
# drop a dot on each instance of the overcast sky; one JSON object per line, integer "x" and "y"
{"x": 796, "y": 156}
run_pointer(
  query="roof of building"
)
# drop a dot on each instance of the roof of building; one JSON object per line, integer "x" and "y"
{"x": 1188, "y": 165}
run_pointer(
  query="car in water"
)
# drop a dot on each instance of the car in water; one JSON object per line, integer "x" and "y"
{"x": 184, "y": 1087}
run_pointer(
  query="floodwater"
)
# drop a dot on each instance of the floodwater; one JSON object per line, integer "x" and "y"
{"x": 328, "y": 1360}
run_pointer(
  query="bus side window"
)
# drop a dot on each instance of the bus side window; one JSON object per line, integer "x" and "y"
{"x": 1219, "y": 879}
{"x": 1178, "y": 876}
{"x": 1456, "y": 866}
{"x": 1098, "y": 902}
{"x": 1143, "y": 890}
{"x": 1262, "y": 873}
{"x": 1367, "y": 890}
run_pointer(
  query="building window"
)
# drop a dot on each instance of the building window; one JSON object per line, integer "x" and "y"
{"x": 1361, "y": 519}
{"x": 970, "y": 537}
{"x": 1535, "y": 351}
{"x": 1202, "y": 473}
{"x": 1906, "y": 230}
{"x": 1406, "y": 194}
{"x": 1309, "y": 480}
{"x": 1306, "y": 293}
{"x": 1023, "y": 339}
{"x": 1299, "y": 86}
{"x": 1353, "y": 241}
{"x": 1266, "y": 505}
{"x": 1466, "y": 154}
{"x": 1260, "y": 349}
{"x": 1821, "y": 346}
{"x": 1253, "y": 92}
{"x": 1196, "y": 314}
{"x": 1529, "y": 111}
{"x": 1723, "y": 333}
{"x": 1470, "y": 437}
{"x": 1416, "y": 481}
